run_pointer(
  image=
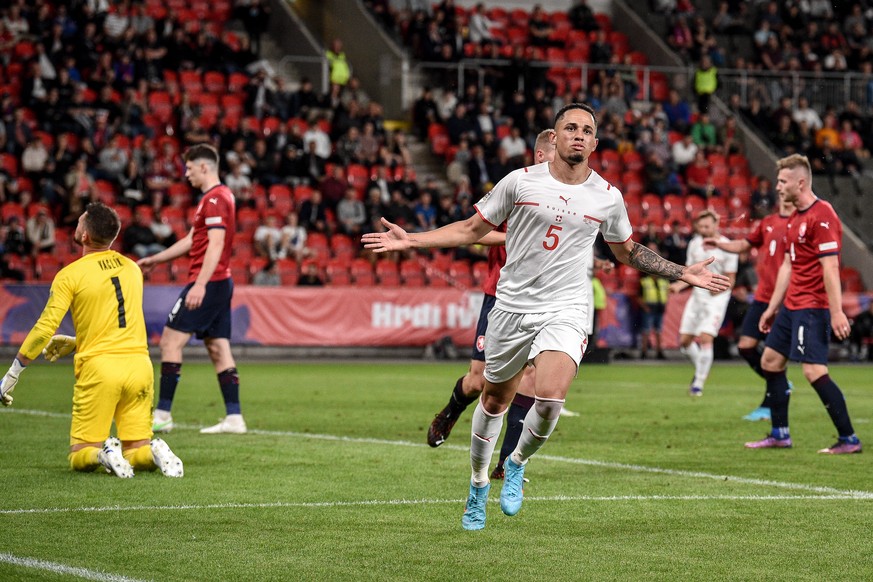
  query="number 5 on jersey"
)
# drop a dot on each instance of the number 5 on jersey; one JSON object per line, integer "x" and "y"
{"x": 552, "y": 240}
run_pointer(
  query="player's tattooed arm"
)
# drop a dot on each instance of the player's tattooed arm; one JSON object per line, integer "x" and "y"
{"x": 648, "y": 261}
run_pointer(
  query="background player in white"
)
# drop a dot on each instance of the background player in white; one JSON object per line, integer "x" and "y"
{"x": 554, "y": 213}
{"x": 704, "y": 312}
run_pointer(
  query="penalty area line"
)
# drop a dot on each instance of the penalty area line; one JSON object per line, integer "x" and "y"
{"x": 63, "y": 569}
{"x": 402, "y": 502}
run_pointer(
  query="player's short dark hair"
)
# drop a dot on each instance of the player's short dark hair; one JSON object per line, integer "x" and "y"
{"x": 570, "y": 106}
{"x": 102, "y": 223}
{"x": 201, "y": 151}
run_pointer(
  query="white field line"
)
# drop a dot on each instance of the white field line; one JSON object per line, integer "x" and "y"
{"x": 571, "y": 460}
{"x": 56, "y": 568}
{"x": 397, "y": 502}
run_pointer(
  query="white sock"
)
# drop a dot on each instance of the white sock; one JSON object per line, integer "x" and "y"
{"x": 483, "y": 440}
{"x": 539, "y": 423}
{"x": 693, "y": 353}
{"x": 703, "y": 365}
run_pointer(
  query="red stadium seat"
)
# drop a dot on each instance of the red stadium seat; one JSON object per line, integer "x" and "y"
{"x": 362, "y": 272}
{"x": 412, "y": 273}
{"x": 388, "y": 273}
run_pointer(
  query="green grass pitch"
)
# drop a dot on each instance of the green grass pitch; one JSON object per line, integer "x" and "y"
{"x": 335, "y": 482}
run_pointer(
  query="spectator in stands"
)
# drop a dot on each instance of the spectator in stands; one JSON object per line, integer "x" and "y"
{"x": 705, "y": 83}
{"x": 268, "y": 276}
{"x": 514, "y": 147}
{"x": 293, "y": 241}
{"x": 383, "y": 181}
{"x": 447, "y": 211}
{"x": 786, "y": 137}
{"x": 333, "y": 187}
{"x": 658, "y": 177}
{"x": 15, "y": 239}
{"x": 239, "y": 183}
{"x": 80, "y": 191}
{"x": 40, "y": 231}
{"x": 600, "y": 51}
{"x": 582, "y": 17}
{"x": 698, "y": 178}
{"x": 293, "y": 166}
{"x": 684, "y": 152}
{"x": 763, "y": 198}
{"x": 424, "y": 113}
{"x": 34, "y": 159}
{"x": 425, "y": 212}
{"x": 267, "y": 237}
{"x": 539, "y": 28}
{"x": 398, "y": 152}
{"x": 256, "y": 17}
{"x": 704, "y": 133}
{"x": 340, "y": 70}
{"x": 407, "y": 184}
{"x": 139, "y": 239}
{"x": 678, "y": 111}
{"x": 480, "y": 25}
{"x": 351, "y": 215}
{"x": 305, "y": 101}
{"x": 112, "y": 161}
{"x": 266, "y": 164}
{"x": 399, "y": 210}
{"x": 681, "y": 37}
{"x": 729, "y": 136}
{"x": 803, "y": 112}
{"x": 314, "y": 163}
{"x": 313, "y": 214}
{"x": 8, "y": 271}
{"x": 310, "y": 277}
{"x": 477, "y": 170}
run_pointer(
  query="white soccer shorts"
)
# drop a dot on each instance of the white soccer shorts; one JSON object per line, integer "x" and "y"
{"x": 704, "y": 315}
{"x": 514, "y": 339}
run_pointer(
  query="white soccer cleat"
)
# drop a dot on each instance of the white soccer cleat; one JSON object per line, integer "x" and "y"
{"x": 166, "y": 460}
{"x": 230, "y": 424}
{"x": 162, "y": 421}
{"x": 112, "y": 459}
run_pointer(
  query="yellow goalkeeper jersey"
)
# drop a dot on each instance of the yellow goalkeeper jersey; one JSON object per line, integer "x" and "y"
{"x": 103, "y": 291}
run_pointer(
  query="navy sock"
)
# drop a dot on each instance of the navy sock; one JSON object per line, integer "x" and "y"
{"x": 778, "y": 394}
{"x": 229, "y": 383}
{"x": 458, "y": 402}
{"x": 753, "y": 357}
{"x": 170, "y": 374}
{"x": 514, "y": 423}
{"x": 835, "y": 403}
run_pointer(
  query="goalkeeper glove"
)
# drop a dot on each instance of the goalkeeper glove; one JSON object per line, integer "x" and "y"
{"x": 58, "y": 347}
{"x": 7, "y": 384}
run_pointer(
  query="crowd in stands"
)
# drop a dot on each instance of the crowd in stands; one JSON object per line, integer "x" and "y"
{"x": 795, "y": 37}
{"x": 99, "y": 99}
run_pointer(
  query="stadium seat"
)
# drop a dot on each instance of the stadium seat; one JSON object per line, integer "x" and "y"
{"x": 412, "y": 273}
{"x": 337, "y": 271}
{"x": 388, "y": 273}
{"x": 480, "y": 272}
{"x": 461, "y": 275}
{"x": 362, "y": 272}
{"x": 343, "y": 247}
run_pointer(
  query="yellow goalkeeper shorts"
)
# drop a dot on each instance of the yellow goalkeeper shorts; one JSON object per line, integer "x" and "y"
{"x": 113, "y": 387}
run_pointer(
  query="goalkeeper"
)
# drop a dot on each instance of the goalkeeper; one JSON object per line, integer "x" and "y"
{"x": 114, "y": 375}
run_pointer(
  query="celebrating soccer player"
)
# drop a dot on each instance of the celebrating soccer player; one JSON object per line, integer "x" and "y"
{"x": 554, "y": 212}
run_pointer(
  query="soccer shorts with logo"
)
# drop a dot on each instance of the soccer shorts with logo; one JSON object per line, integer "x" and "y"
{"x": 516, "y": 338}
{"x": 801, "y": 335}
{"x": 704, "y": 315}
{"x": 213, "y": 317}
{"x": 117, "y": 387}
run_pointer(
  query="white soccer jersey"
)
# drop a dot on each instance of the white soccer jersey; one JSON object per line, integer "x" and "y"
{"x": 551, "y": 228}
{"x": 723, "y": 264}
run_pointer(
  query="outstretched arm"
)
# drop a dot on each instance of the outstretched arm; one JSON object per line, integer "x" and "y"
{"x": 731, "y": 246}
{"x": 463, "y": 232}
{"x": 644, "y": 259}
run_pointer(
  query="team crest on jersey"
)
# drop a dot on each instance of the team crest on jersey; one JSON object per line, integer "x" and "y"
{"x": 480, "y": 343}
{"x": 801, "y": 232}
